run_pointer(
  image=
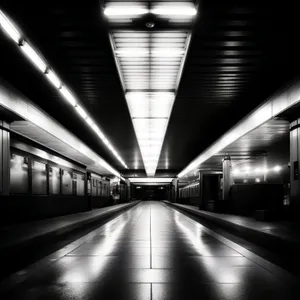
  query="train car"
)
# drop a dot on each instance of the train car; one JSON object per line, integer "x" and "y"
{"x": 190, "y": 194}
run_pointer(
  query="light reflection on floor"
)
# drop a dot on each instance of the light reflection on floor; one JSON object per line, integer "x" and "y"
{"x": 150, "y": 252}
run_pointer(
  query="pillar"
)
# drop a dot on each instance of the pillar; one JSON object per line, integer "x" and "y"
{"x": 128, "y": 190}
{"x": 294, "y": 163}
{"x": 174, "y": 190}
{"x": 4, "y": 158}
{"x": 227, "y": 177}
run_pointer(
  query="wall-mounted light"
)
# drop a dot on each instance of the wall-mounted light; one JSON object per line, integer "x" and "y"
{"x": 256, "y": 171}
{"x": 277, "y": 168}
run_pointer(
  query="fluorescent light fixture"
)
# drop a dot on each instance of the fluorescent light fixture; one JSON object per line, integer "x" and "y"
{"x": 81, "y": 111}
{"x": 68, "y": 96}
{"x": 150, "y": 180}
{"x": 174, "y": 10}
{"x": 9, "y": 28}
{"x": 90, "y": 122}
{"x": 150, "y": 66}
{"x": 132, "y": 52}
{"x": 155, "y": 52}
{"x": 124, "y": 10}
{"x": 34, "y": 56}
{"x": 167, "y": 52}
{"x": 53, "y": 79}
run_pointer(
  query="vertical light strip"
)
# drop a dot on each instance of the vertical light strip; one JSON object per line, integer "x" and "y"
{"x": 150, "y": 64}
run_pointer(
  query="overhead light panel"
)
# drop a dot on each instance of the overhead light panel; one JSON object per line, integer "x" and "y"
{"x": 125, "y": 9}
{"x": 81, "y": 111}
{"x": 150, "y": 65}
{"x": 34, "y": 56}
{"x": 150, "y": 180}
{"x": 9, "y": 28}
{"x": 68, "y": 96}
{"x": 131, "y": 10}
{"x": 174, "y": 9}
{"x": 52, "y": 77}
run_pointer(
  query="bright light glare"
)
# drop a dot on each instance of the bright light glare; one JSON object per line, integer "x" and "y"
{"x": 257, "y": 180}
{"x": 142, "y": 52}
{"x": 34, "y": 57}
{"x": 53, "y": 79}
{"x": 257, "y": 170}
{"x": 132, "y": 52}
{"x": 90, "y": 122}
{"x": 236, "y": 171}
{"x": 277, "y": 168}
{"x": 124, "y": 10}
{"x": 151, "y": 180}
{"x": 81, "y": 111}
{"x": 68, "y": 96}
{"x": 171, "y": 10}
{"x": 9, "y": 28}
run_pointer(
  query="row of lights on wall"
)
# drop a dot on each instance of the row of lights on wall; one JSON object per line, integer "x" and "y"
{"x": 249, "y": 171}
{"x": 10, "y": 29}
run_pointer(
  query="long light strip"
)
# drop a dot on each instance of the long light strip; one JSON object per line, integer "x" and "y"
{"x": 131, "y": 10}
{"x": 150, "y": 65}
{"x": 150, "y": 180}
{"x": 36, "y": 59}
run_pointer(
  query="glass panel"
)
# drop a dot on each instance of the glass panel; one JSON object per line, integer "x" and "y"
{"x": 18, "y": 175}
{"x": 66, "y": 183}
{"x": 39, "y": 178}
{"x": 54, "y": 180}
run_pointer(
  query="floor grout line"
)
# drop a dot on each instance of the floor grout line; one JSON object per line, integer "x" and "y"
{"x": 150, "y": 239}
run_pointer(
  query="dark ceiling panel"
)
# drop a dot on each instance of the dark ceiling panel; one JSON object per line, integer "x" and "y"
{"x": 241, "y": 52}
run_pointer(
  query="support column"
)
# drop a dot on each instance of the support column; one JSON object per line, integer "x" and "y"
{"x": 227, "y": 177}
{"x": 128, "y": 190}
{"x": 294, "y": 161}
{"x": 175, "y": 190}
{"x": 4, "y": 158}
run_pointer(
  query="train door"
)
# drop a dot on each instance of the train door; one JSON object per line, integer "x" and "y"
{"x": 211, "y": 191}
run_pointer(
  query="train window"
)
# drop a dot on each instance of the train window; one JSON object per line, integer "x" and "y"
{"x": 18, "y": 174}
{"x": 39, "y": 178}
{"x": 54, "y": 180}
{"x": 79, "y": 185}
{"x": 67, "y": 183}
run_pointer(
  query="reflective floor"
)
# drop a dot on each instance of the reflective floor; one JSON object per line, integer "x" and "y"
{"x": 149, "y": 252}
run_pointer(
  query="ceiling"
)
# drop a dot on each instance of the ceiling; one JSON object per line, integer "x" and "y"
{"x": 240, "y": 53}
{"x": 265, "y": 141}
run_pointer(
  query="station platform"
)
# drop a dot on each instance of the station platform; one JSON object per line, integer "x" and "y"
{"x": 21, "y": 239}
{"x": 283, "y": 235}
{"x": 151, "y": 251}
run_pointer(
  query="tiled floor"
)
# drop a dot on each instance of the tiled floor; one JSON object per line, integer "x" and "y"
{"x": 150, "y": 252}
